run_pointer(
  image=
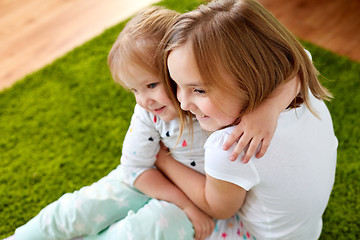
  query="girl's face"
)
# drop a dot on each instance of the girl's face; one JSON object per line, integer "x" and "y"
{"x": 150, "y": 93}
{"x": 193, "y": 96}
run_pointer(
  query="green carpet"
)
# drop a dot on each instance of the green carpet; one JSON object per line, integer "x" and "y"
{"x": 62, "y": 128}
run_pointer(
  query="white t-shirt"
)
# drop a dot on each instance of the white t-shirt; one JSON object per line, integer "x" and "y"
{"x": 288, "y": 188}
{"x": 142, "y": 144}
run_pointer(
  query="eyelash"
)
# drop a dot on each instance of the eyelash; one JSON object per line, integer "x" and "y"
{"x": 199, "y": 91}
{"x": 152, "y": 85}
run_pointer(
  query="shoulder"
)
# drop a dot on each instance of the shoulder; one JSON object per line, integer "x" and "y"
{"x": 215, "y": 156}
{"x": 219, "y": 135}
{"x": 217, "y": 139}
{"x": 219, "y": 166}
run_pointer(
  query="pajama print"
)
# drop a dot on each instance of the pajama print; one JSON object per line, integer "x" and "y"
{"x": 93, "y": 208}
{"x": 155, "y": 220}
{"x": 114, "y": 201}
{"x": 230, "y": 229}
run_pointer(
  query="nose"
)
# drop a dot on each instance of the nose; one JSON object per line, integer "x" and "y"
{"x": 183, "y": 99}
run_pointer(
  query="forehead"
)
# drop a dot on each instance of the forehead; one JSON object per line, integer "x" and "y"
{"x": 183, "y": 67}
{"x": 136, "y": 77}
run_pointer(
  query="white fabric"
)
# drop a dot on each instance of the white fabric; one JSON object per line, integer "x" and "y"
{"x": 142, "y": 143}
{"x": 289, "y": 188}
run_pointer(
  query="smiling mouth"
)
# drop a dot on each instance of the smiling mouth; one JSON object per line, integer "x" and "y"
{"x": 202, "y": 116}
{"x": 159, "y": 109}
{"x": 199, "y": 115}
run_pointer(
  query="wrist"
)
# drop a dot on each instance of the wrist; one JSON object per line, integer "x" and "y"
{"x": 189, "y": 207}
{"x": 270, "y": 106}
{"x": 161, "y": 160}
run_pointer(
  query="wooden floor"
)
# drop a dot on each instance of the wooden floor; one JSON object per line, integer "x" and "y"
{"x": 332, "y": 24}
{"x": 35, "y": 32}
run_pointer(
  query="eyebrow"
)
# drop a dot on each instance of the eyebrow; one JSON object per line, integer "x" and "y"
{"x": 193, "y": 85}
{"x": 190, "y": 84}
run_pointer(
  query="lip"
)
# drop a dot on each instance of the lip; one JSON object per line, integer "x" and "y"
{"x": 201, "y": 117}
{"x": 159, "y": 110}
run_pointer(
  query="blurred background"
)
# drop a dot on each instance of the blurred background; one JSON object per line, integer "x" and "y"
{"x": 33, "y": 33}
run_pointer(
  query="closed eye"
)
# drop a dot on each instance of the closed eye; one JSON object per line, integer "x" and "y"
{"x": 199, "y": 91}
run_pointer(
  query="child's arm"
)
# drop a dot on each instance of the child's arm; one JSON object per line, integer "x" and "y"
{"x": 139, "y": 152}
{"x": 257, "y": 127}
{"x": 203, "y": 191}
{"x": 154, "y": 184}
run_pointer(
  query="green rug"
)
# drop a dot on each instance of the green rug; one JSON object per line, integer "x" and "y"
{"x": 62, "y": 128}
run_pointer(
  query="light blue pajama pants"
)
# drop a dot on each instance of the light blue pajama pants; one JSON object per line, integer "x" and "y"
{"x": 108, "y": 209}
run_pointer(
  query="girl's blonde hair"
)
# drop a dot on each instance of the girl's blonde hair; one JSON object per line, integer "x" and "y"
{"x": 138, "y": 42}
{"x": 241, "y": 39}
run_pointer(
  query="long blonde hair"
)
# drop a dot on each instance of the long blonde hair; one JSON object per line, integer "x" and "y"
{"x": 138, "y": 42}
{"x": 245, "y": 41}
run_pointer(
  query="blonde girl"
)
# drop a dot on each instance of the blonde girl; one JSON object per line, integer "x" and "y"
{"x": 223, "y": 60}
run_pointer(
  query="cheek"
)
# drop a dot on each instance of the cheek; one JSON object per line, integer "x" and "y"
{"x": 140, "y": 103}
{"x": 137, "y": 98}
{"x": 163, "y": 97}
{"x": 207, "y": 106}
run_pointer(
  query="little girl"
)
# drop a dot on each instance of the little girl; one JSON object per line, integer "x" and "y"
{"x": 115, "y": 197}
{"x": 223, "y": 60}
{"x": 114, "y": 200}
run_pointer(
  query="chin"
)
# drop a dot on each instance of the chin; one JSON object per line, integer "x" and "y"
{"x": 208, "y": 128}
{"x": 167, "y": 118}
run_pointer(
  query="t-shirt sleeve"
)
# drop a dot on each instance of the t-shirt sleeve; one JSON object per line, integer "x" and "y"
{"x": 219, "y": 166}
{"x": 140, "y": 146}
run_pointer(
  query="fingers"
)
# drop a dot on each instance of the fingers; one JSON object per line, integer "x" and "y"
{"x": 204, "y": 231}
{"x": 243, "y": 142}
{"x": 264, "y": 146}
{"x": 198, "y": 235}
{"x": 162, "y": 146}
{"x": 234, "y": 136}
{"x": 252, "y": 139}
{"x": 253, "y": 146}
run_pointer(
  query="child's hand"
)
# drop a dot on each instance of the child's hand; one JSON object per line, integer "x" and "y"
{"x": 203, "y": 224}
{"x": 255, "y": 129}
{"x": 258, "y": 127}
{"x": 163, "y": 146}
